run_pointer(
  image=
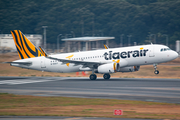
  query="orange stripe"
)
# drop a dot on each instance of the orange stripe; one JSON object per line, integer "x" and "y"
{"x": 25, "y": 48}
{"x": 42, "y": 52}
{"x": 39, "y": 53}
{"x": 114, "y": 66}
{"x": 30, "y": 44}
{"x": 105, "y": 46}
{"x": 16, "y": 44}
{"x": 21, "y": 50}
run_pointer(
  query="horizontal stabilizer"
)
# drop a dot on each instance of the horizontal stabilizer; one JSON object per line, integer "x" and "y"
{"x": 20, "y": 63}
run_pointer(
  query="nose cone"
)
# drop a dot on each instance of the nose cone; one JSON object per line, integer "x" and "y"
{"x": 174, "y": 55}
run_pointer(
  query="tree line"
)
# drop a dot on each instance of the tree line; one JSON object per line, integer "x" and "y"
{"x": 145, "y": 20}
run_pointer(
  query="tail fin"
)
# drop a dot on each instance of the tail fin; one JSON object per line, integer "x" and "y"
{"x": 24, "y": 47}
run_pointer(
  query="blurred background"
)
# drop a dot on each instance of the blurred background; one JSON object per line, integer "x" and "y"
{"x": 51, "y": 23}
{"x": 131, "y": 22}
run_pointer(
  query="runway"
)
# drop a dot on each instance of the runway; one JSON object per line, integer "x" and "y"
{"x": 158, "y": 90}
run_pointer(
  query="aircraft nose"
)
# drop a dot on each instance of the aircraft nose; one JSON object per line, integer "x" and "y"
{"x": 174, "y": 55}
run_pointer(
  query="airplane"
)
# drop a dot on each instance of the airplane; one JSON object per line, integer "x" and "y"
{"x": 104, "y": 61}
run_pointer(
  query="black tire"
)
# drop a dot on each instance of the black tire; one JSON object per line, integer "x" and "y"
{"x": 156, "y": 72}
{"x": 93, "y": 77}
{"x": 106, "y": 76}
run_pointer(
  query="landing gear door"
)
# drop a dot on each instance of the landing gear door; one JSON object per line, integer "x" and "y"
{"x": 43, "y": 63}
{"x": 151, "y": 51}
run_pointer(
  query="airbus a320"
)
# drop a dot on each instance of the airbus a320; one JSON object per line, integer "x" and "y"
{"x": 104, "y": 61}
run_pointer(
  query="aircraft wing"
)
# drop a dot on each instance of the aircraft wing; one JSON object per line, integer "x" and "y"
{"x": 90, "y": 64}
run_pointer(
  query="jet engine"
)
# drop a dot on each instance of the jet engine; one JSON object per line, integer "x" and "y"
{"x": 108, "y": 68}
{"x": 115, "y": 66}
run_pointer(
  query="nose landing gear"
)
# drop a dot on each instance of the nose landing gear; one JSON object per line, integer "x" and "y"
{"x": 155, "y": 67}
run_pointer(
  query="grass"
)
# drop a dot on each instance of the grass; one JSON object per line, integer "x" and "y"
{"x": 21, "y": 105}
{"x": 176, "y": 67}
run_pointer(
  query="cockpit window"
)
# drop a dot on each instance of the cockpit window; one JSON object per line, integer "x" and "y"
{"x": 165, "y": 49}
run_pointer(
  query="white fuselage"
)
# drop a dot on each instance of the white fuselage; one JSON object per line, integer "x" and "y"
{"x": 128, "y": 56}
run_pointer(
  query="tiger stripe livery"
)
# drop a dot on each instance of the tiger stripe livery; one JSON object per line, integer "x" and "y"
{"x": 24, "y": 47}
{"x": 43, "y": 52}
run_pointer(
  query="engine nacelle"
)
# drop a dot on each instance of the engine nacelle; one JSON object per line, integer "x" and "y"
{"x": 108, "y": 68}
{"x": 116, "y": 67}
{"x": 130, "y": 69}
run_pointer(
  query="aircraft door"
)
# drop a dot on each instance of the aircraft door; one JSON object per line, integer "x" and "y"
{"x": 151, "y": 51}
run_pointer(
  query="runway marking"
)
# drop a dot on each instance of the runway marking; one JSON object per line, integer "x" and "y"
{"x": 16, "y": 82}
{"x": 26, "y": 80}
{"x": 147, "y": 88}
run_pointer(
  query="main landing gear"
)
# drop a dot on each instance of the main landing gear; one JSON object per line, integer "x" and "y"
{"x": 106, "y": 76}
{"x": 93, "y": 77}
{"x": 155, "y": 67}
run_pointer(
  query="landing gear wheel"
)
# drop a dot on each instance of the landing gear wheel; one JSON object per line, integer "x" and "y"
{"x": 156, "y": 72}
{"x": 93, "y": 77}
{"x": 106, "y": 76}
{"x": 155, "y": 67}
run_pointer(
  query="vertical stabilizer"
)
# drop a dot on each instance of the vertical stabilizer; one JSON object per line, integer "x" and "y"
{"x": 25, "y": 48}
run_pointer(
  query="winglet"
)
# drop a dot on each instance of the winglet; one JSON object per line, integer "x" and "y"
{"x": 43, "y": 52}
{"x": 106, "y": 47}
